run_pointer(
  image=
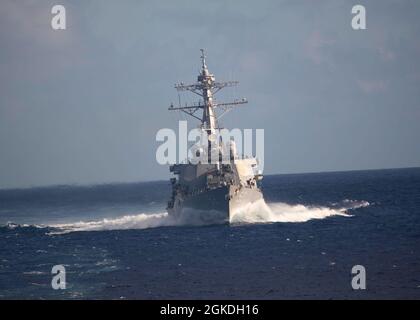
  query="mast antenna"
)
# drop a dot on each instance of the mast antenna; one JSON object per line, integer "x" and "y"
{"x": 206, "y": 87}
{"x": 203, "y": 59}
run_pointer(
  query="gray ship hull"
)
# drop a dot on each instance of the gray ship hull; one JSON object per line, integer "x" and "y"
{"x": 216, "y": 206}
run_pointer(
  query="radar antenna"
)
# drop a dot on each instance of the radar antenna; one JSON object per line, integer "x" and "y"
{"x": 206, "y": 87}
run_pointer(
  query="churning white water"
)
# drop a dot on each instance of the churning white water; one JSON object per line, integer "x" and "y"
{"x": 260, "y": 212}
{"x": 257, "y": 212}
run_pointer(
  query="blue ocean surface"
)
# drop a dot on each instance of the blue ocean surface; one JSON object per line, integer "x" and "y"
{"x": 117, "y": 242}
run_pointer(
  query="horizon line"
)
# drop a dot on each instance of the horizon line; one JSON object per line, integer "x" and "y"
{"x": 93, "y": 184}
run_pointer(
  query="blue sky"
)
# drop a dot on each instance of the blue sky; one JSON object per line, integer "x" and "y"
{"x": 83, "y": 105}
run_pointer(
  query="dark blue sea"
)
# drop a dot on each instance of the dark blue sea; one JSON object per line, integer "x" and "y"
{"x": 117, "y": 242}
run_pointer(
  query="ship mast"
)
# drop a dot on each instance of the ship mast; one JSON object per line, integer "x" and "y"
{"x": 206, "y": 87}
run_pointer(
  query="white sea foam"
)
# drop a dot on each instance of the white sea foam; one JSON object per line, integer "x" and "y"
{"x": 257, "y": 212}
{"x": 138, "y": 221}
{"x": 260, "y": 212}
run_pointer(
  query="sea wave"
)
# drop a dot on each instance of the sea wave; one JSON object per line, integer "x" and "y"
{"x": 260, "y": 211}
{"x": 136, "y": 221}
{"x": 13, "y": 226}
{"x": 257, "y": 212}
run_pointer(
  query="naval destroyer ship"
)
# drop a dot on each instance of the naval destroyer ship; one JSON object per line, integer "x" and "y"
{"x": 219, "y": 182}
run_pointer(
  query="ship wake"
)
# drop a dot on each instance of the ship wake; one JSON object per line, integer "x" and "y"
{"x": 136, "y": 221}
{"x": 261, "y": 212}
{"x": 257, "y": 212}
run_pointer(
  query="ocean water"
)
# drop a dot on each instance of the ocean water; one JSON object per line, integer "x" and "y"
{"x": 117, "y": 242}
